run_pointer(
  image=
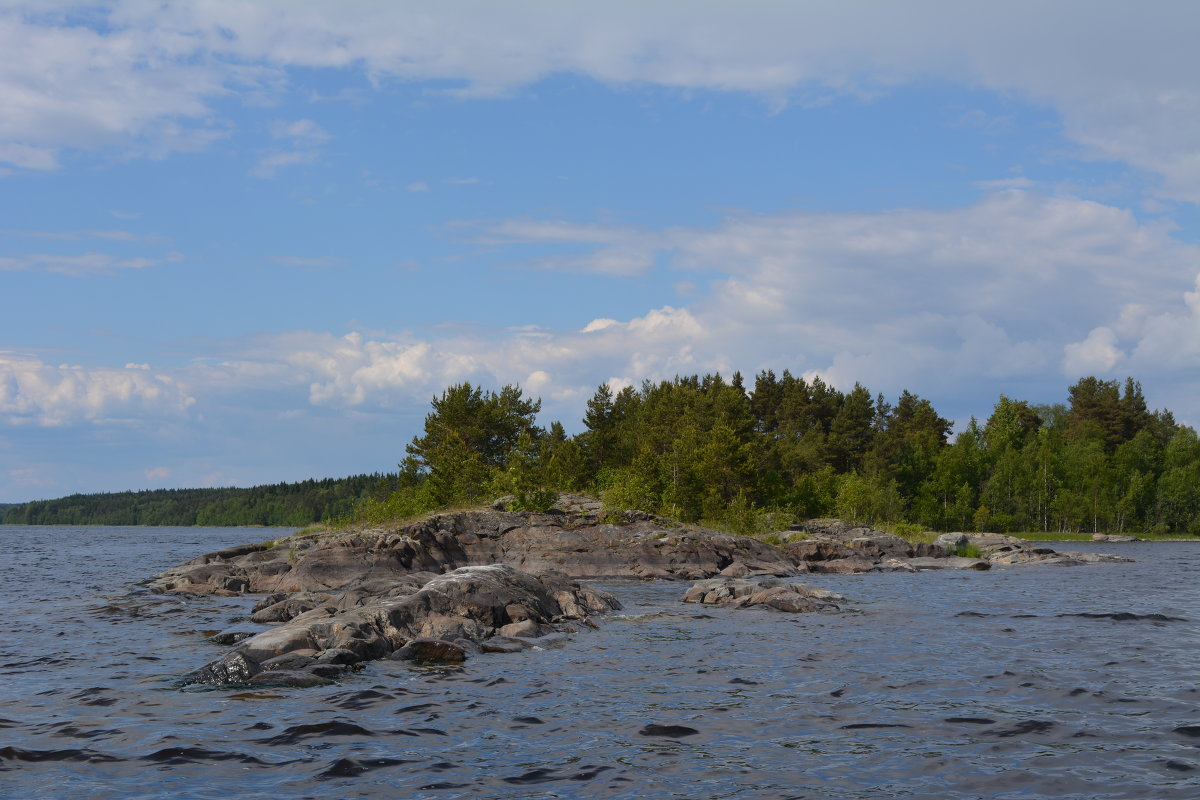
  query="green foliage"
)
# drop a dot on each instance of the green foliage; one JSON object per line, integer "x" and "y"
{"x": 703, "y": 448}
{"x": 968, "y": 550}
{"x": 278, "y": 505}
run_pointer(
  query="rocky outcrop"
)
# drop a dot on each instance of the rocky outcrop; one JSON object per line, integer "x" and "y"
{"x": 764, "y": 592}
{"x": 836, "y": 546}
{"x": 998, "y": 548}
{"x": 439, "y": 621}
{"x": 580, "y": 544}
{"x": 1112, "y": 537}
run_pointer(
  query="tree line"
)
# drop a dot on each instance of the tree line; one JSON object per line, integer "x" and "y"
{"x": 710, "y": 449}
{"x": 750, "y": 459}
{"x": 276, "y": 505}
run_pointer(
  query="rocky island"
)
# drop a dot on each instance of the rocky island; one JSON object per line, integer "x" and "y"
{"x": 441, "y": 588}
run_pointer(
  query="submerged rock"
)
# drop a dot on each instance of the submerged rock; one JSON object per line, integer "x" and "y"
{"x": 768, "y": 592}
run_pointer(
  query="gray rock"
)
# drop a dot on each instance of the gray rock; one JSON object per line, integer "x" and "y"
{"x": 767, "y": 592}
{"x": 574, "y": 538}
{"x": 471, "y": 603}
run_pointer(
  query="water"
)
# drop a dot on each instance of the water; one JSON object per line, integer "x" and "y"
{"x": 937, "y": 685}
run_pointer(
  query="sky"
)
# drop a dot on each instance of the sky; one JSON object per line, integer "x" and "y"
{"x": 245, "y": 243}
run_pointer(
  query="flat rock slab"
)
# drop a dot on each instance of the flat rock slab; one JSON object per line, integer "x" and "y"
{"x": 765, "y": 592}
{"x": 300, "y": 572}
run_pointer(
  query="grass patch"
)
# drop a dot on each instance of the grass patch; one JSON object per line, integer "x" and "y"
{"x": 968, "y": 550}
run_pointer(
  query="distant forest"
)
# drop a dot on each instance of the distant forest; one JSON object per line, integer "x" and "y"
{"x": 751, "y": 460}
{"x": 277, "y": 505}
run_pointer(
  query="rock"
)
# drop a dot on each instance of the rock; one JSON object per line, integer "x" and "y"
{"x": 504, "y": 644}
{"x": 233, "y": 668}
{"x": 328, "y": 670}
{"x": 736, "y": 570}
{"x": 525, "y": 627}
{"x": 301, "y": 679}
{"x": 288, "y": 661}
{"x": 550, "y": 641}
{"x": 1109, "y": 537}
{"x": 338, "y": 655}
{"x": 845, "y": 566}
{"x": 572, "y": 538}
{"x": 950, "y": 562}
{"x": 288, "y": 606}
{"x": 471, "y": 603}
{"x": 430, "y": 651}
{"x": 1000, "y": 549}
{"x": 767, "y": 592}
{"x": 669, "y": 731}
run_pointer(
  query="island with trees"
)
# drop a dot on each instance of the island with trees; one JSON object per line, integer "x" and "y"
{"x": 711, "y": 450}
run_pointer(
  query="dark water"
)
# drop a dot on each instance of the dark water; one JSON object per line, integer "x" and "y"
{"x": 938, "y": 685}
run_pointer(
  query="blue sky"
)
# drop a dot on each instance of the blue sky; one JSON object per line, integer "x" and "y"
{"x": 246, "y": 242}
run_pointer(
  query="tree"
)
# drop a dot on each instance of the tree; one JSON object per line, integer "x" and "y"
{"x": 469, "y": 437}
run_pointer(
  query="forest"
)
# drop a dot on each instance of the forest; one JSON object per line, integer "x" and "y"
{"x": 744, "y": 459}
{"x": 707, "y": 449}
{"x": 277, "y": 505}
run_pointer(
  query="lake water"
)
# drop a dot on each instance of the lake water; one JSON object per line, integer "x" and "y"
{"x": 936, "y": 685}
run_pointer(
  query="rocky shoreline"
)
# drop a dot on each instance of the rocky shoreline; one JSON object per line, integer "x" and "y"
{"x": 451, "y": 585}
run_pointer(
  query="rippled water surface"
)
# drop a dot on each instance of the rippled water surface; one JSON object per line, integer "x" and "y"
{"x": 1034, "y": 682}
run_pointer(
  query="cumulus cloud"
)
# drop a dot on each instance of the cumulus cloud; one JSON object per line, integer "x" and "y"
{"x": 1119, "y": 74}
{"x": 1017, "y": 288}
{"x": 35, "y": 393}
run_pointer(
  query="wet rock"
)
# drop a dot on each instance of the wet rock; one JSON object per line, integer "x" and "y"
{"x": 327, "y": 670}
{"x": 430, "y": 651}
{"x": 551, "y": 641}
{"x": 233, "y": 668}
{"x": 766, "y": 592}
{"x": 669, "y": 731}
{"x": 301, "y": 679}
{"x": 288, "y": 661}
{"x": 338, "y": 655}
{"x": 504, "y": 644}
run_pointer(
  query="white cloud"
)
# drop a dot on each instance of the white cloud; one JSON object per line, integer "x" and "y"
{"x": 269, "y": 165}
{"x": 1098, "y": 353}
{"x": 1120, "y": 74}
{"x": 418, "y": 186}
{"x": 82, "y": 264}
{"x": 33, "y": 392}
{"x": 157, "y": 473}
{"x": 1013, "y": 289}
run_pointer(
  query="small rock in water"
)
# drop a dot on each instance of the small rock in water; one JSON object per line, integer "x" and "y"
{"x": 669, "y": 731}
{"x": 430, "y": 651}
{"x": 301, "y": 679}
{"x": 233, "y": 669}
